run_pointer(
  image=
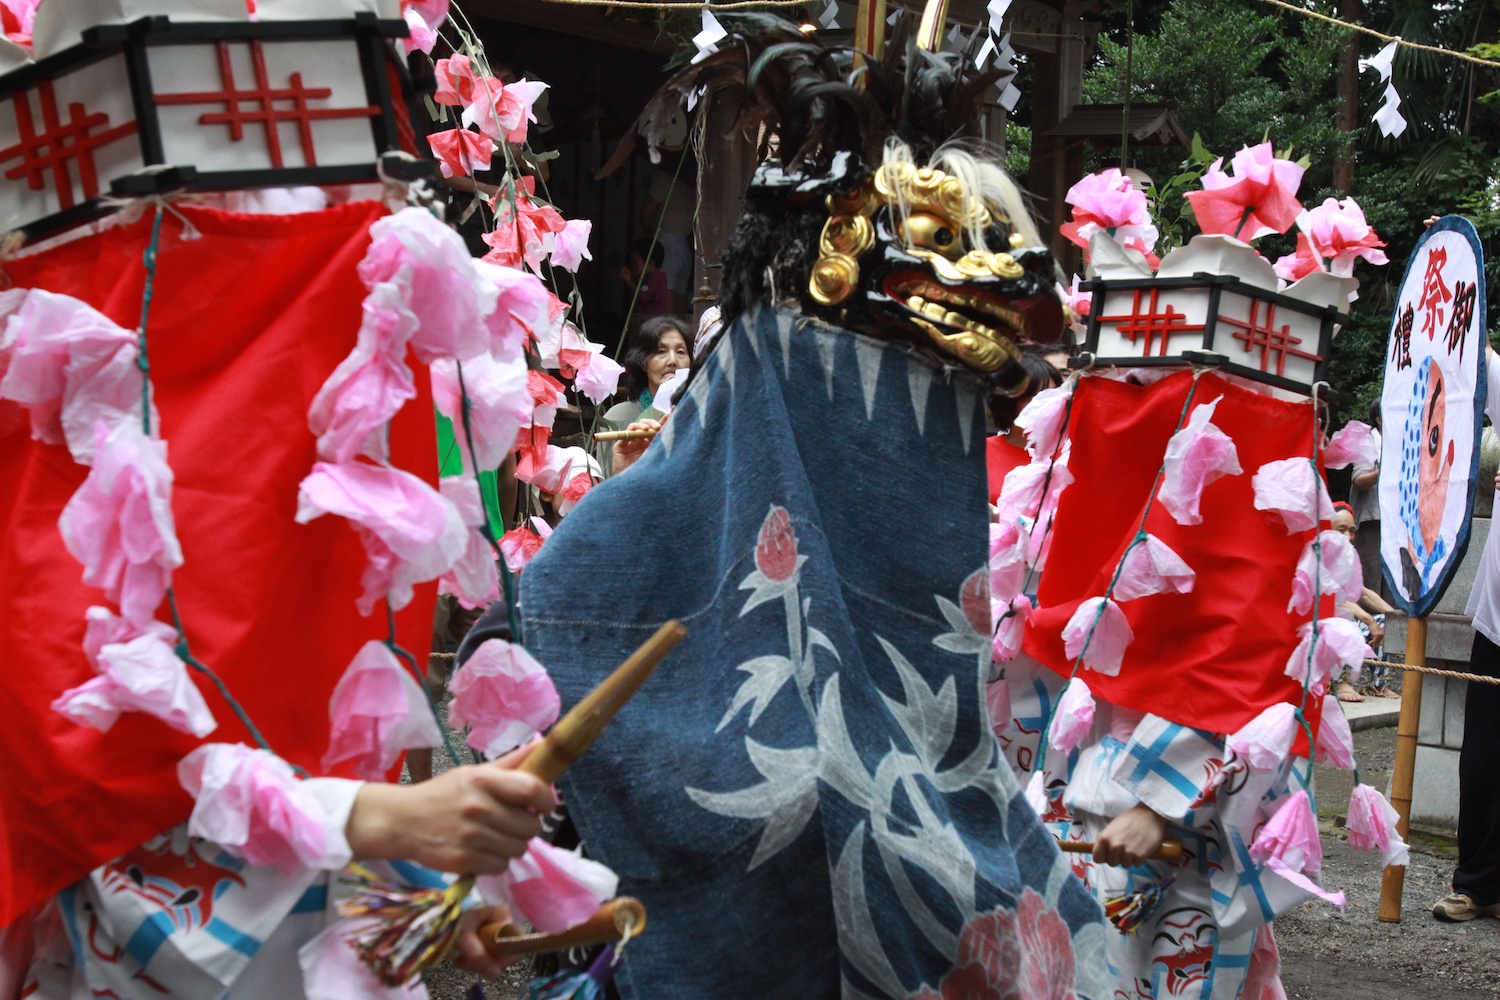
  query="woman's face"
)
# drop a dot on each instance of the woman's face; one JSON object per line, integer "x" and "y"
{"x": 671, "y": 354}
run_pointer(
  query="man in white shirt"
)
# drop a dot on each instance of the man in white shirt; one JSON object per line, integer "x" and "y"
{"x": 1476, "y": 880}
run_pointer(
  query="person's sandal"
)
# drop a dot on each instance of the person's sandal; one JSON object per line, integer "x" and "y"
{"x": 1455, "y": 908}
{"x": 1344, "y": 691}
{"x": 1371, "y": 691}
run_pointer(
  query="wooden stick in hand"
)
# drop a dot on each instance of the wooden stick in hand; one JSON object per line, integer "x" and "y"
{"x": 626, "y": 435}
{"x": 1170, "y": 849}
{"x": 614, "y": 920}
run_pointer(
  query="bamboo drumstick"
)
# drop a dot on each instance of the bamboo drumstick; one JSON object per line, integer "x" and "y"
{"x": 1170, "y": 849}
{"x": 624, "y": 435}
{"x": 576, "y": 731}
{"x": 573, "y": 734}
{"x": 614, "y": 921}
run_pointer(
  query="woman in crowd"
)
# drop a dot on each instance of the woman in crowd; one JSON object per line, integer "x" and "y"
{"x": 659, "y": 348}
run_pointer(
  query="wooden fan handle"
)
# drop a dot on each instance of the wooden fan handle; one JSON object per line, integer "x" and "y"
{"x": 1170, "y": 849}
{"x": 613, "y": 921}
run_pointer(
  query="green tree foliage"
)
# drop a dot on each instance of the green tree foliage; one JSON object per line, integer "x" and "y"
{"x": 1240, "y": 73}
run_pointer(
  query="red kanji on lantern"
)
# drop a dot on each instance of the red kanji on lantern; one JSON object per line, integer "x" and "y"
{"x": 1148, "y": 324}
{"x": 261, "y": 105}
{"x": 1457, "y": 335}
{"x": 1401, "y": 340}
{"x": 1271, "y": 339}
{"x": 1435, "y": 294}
{"x": 58, "y": 144}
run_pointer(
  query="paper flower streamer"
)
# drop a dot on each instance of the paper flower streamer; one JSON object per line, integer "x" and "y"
{"x": 500, "y": 404}
{"x": 1098, "y": 634}
{"x": 1265, "y": 740}
{"x": 1288, "y": 845}
{"x": 1010, "y": 628}
{"x": 410, "y": 532}
{"x": 377, "y": 713}
{"x": 1043, "y": 419}
{"x": 350, "y": 412}
{"x": 473, "y": 579}
{"x": 1258, "y": 199}
{"x": 1372, "y": 826}
{"x": 1339, "y": 644}
{"x": 1292, "y": 489}
{"x": 503, "y": 696}
{"x": 461, "y": 152}
{"x": 1335, "y": 746}
{"x": 518, "y": 545}
{"x": 71, "y": 366}
{"x": 141, "y": 674}
{"x": 552, "y": 888}
{"x": 1073, "y": 717}
{"x": 1354, "y": 444}
{"x": 119, "y": 523}
{"x": 251, "y": 803}
{"x": 1151, "y": 567}
{"x": 1329, "y": 566}
{"x": 1109, "y": 202}
{"x": 1196, "y": 455}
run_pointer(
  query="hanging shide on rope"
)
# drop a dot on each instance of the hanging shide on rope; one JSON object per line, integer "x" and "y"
{"x": 1170, "y": 849}
{"x": 412, "y": 929}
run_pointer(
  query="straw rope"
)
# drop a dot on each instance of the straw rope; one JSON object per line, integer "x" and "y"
{"x": 1372, "y": 33}
{"x": 1459, "y": 674}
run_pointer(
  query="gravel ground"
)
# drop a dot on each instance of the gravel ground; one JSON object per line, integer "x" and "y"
{"x": 1324, "y": 954}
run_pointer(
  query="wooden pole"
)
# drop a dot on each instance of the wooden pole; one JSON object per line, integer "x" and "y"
{"x": 1394, "y": 880}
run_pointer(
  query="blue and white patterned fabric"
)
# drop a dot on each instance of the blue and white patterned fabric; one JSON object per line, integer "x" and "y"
{"x": 807, "y": 795}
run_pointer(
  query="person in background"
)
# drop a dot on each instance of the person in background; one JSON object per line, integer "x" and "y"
{"x": 1476, "y": 880}
{"x": 643, "y": 268}
{"x": 1007, "y": 448}
{"x": 1364, "y": 497}
{"x": 1369, "y": 613}
{"x": 659, "y": 348}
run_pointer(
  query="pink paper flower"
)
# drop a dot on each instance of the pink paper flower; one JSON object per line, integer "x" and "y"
{"x": 439, "y": 283}
{"x": 1288, "y": 845}
{"x": 1339, "y": 234}
{"x": 1372, "y": 826}
{"x": 140, "y": 674}
{"x": 1259, "y": 199}
{"x": 460, "y": 151}
{"x": 1339, "y": 644}
{"x": 524, "y": 309}
{"x": 1108, "y": 202}
{"x": 1043, "y": 420}
{"x": 251, "y": 803}
{"x": 473, "y": 580}
{"x": 1300, "y": 263}
{"x": 1331, "y": 566}
{"x": 1098, "y": 634}
{"x": 1265, "y": 740}
{"x": 1008, "y": 544}
{"x": 552, "y": 888}
{"x": 501, "y": 110}
{"x": 119, "y": 523}
{"x": 350, "y": 412}
{"x": 456, "y": 81}
{"x": 19, "y": 16}
{"x": 421, "y": 37}
{"x": 1354, "y": 444}
{"x": 1073, "y": 717}
{"x": 1151, "y": 567}
{"x": 1196, "y": 455}
{"x": 1021, "y": 494}
{"x": 524, "y": 228}
{"x": 70, "y": 365}
{"x": 519, "y": 545}
{"x": 561, "y": 465}
{"x": 600, "y": 378}
{"x": 1010, "y": 627}
{"x": 377, "y": 713}
{"x": 503, "y": 696}
{"x": 499, "y": 406}
{"x": 1335, "y": 746}
{"x": 1077, "y": 302}
{"x": 1292, "y": 489}
{"x": 572, "y": 246}
{"x": 410, "y": 532}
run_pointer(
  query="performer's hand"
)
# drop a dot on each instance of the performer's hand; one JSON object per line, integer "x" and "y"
{"x": 469, "y": 954}
{"x": 1130, "y": 838}
{"x": 472, "y": 819}
{"x": 630, "y": 449}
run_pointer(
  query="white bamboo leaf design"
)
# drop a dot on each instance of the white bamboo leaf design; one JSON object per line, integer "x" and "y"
{"x": 767, "y": 676}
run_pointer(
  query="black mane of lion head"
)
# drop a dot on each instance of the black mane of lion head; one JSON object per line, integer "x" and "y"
{"x": 869, "y": 209}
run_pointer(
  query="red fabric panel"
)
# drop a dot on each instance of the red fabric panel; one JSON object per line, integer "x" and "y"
{"x": 1000, "y": 456}
{"x": 246, "y": 323}
{"x": 1214, "y": 658}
